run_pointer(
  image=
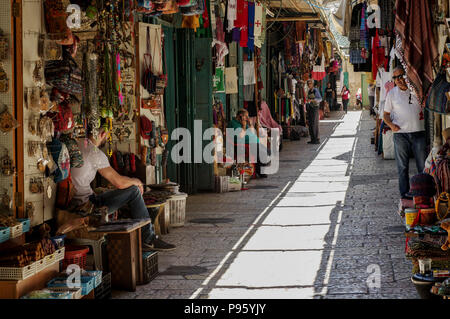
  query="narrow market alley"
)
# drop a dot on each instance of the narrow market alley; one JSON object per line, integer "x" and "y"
{"x": 324, "y": 226}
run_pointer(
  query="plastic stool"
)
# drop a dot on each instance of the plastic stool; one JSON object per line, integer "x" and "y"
{"x": 96, "y": 248}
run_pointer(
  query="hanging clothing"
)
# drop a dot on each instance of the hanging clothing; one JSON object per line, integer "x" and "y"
{"x": 300, "y": 31}
{"x": 249, "y": 73}
{"x": 387, "y": 14}
{"x": 249, "y": 92}
{"x": 378, "y": 57}
{"x": 413, "y": 24}
{"x": 262, "y": 37}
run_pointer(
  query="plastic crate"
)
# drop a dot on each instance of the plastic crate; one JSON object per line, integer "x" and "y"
{"x": 150, "y": 265}
{"x": 5, "y": 232}
{"x": 16, "y": 231}
{"x": 76, "y": 292}
{"x": 25, "y": 224}
{"x": 40, "y": 265}
{"x": 86, "y": 284}
{"x": 50, "y": 259}
{"x": 12, "y": 273}
{"x": 103, "y": 291}
{"x": 75, "y": 255}
{"x": 97, "y": 275}
{"x": 59, "y": 254}
{"x": 177, "y": 210}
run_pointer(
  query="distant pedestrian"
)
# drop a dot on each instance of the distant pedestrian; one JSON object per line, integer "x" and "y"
{"x": 359, "y": 99}
{"x": 345, "y": 93}
{"x": 371, "y": 93}
{"x": 312, "y": 108}
{"x": 330, "y": 94}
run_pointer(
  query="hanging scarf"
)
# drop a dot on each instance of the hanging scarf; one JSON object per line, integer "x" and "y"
{"x": 378, "y": 57}
{"x": 418, "y": 52}
{"x": 262, "y": 37}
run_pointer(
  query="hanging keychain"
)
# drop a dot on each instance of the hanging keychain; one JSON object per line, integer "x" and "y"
{"x": 6, "y": 164}
{"x": 6, "y": 200}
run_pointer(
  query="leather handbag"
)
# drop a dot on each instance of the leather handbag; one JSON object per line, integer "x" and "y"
{"x": 148, "y": 77}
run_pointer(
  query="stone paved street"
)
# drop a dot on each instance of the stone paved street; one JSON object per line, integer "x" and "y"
{"x": 316, "y": 229}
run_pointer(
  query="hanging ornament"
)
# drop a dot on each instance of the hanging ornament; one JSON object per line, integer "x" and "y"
{"x": 6, "y": 164}
{"x": 7, "y": 122}
{"x": 4, "y": 81}
{"x": 4, "y": 46}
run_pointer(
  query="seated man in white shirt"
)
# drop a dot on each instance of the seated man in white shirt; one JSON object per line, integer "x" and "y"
{"x": 128, "y": 190}
{"x": 404, "y": 115}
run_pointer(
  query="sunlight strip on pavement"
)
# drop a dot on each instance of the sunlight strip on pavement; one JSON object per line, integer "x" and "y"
{"x": 285, "y": 254}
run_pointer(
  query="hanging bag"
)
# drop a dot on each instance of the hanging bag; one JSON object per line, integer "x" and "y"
{"x": 65, "y": 75}
{"x": 148, "y": 78}
{"x": 56, "y": 20}
{"x": 161, "y": 81}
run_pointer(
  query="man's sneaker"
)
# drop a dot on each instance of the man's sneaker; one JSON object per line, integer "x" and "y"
{"x": 161, "y": 245}
{"x": 147, "y": 247}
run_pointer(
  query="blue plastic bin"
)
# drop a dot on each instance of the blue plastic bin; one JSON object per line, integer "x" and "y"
{"x": 25, "y": 224}
{"x": 5, "y": 232}
{"x": 86, "y": 284}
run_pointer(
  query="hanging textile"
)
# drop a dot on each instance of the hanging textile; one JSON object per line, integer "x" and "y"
{"x": 241, "y": 19}
{"x": 231, "y": 14}
{"x": 378, "y": 57}
{"x": 387, "y": 14}
{"x": 244, "y": 28}
{"x": 251, "y": 26}
{"x": 258, "y": 24}
{"x": 300, "y": 31}
{"x": 318, "y": 72}
{"x": 364, "y": 33}
{"x": 191, "y": 22}
{"x": 418, "y": 52}
{"x": 262, "y": 37}
{"x": 249, "y": 72}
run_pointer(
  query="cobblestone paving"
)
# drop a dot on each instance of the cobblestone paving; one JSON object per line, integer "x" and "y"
{"x": 316, "y": 229}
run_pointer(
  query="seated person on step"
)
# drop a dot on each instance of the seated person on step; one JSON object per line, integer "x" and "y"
{"x": 245, "y": 133}
{"x": 128, "y": 190}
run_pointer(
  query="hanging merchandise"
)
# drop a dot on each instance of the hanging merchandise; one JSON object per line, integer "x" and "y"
{"x": 195, "y": 9}
{"x": 258, "y": 24}
{"x": 36, "y": 186}
{"x": 186, "y": 3}
{"x": 148, "y": 77}
{"x": 231, "y": 14}
{"x": 244, "y": 25}
{"x": 56, "y": 20}
{"x": 46, "y": 128}
{"x": 231, "y": 80}
{"x": 7, "y": 121}
{"x": 6, "y": 164}
{"x": 219, "y": 80}
{"x": 146, "y": 127}
{"x": 33, "y": 99}
{"x": 122, "y": 133}
{"x": 64, "y": 75}
{"x": 318, "y": 72}
{"x": 63, "y": 118}
{"x": 4, "y": 81}
{"x": 49, "y": 49}
{"x": 251, "y": 26}
{"x": 416, "y": 49}
{"x": 60, "y": 155}
{"x": 38, "y": 74}
{"x": 6, "y": 201}
{"x": 76, "y": 158}
{"x": 437, "y": 99}
{"x": 161, "y": 81}
{"x": 249, "y": 73}
{"x": 4, "y": 46}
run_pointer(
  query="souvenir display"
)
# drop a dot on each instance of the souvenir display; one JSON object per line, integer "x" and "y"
{"x": 7, "y": 122}
{"x": 4, "y": 81}
{"x": 4, "y": 46}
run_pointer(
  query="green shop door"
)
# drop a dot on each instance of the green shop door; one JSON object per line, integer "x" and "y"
{"x": 203, "y": 171}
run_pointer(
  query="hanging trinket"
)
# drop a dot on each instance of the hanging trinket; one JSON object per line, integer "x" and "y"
{"x": 7, "y": 122}
{"x": 38, "y": 73}
{"x": 32, "y": 125}
{"x": 6, "y": 200}
{"x": 49, "y": 49}
{"x": 6, "y": 164}
{"x": 33, "y": 148}
{"x": 29, "y": 210}
{"x": 33, "y": 99}
{"x": 4, "y": 46}
{"x": 46, "y": 128}
{"x": 49, "y": 190}
{"x": 4, "y": 81}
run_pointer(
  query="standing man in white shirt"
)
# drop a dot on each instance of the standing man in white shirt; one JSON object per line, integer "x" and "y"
{"x": 404, "y": 115}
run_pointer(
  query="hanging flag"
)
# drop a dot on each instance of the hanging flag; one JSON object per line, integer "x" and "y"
{"x": 251, "y": 26}
{"x": 231, "y": 80}
{"x": 244, "y": 27}
{"x": 258, "y": 24}
{"x": 219, "y": 80}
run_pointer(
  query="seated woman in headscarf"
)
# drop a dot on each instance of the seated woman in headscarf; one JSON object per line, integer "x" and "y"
{"x": 266, "y": 121}
{"x": 246, "y": 134}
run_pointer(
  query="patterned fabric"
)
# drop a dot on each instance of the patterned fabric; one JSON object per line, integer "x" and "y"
{"x": 387, "y": 14}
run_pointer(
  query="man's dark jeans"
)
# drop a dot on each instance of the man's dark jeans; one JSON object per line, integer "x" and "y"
{"x": 406, "y": 144}
{"x": 132, "y": 197}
